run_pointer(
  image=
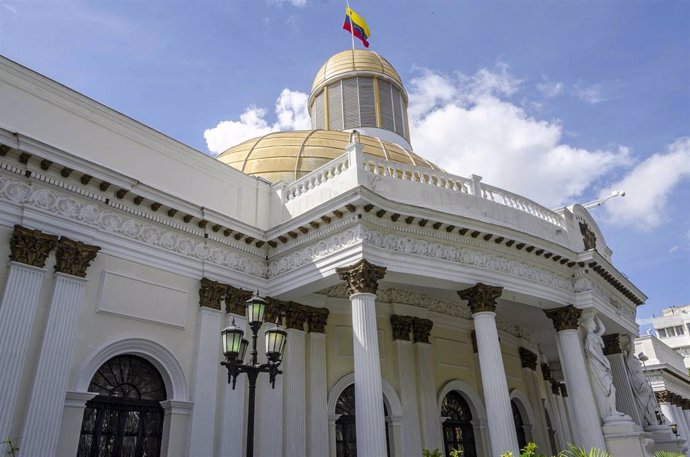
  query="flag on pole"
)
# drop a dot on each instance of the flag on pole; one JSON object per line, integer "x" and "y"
{"x": 356, "y": 26}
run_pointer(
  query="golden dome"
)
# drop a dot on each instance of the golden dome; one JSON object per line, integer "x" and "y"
{"x": 354, "y": 60}
{"x": 287, "y": 156}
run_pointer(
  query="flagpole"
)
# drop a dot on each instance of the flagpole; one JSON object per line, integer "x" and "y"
{"x": 352, "y": 26}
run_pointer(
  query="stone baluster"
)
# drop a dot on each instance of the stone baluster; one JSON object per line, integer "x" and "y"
{"x": 317, "y": 399}
{"x": 362, "y": 280}
{"x": 411, "y": 439}
{"x": 46, "y": 404}
{"x": 528, "y": 361}
{"x": 29, "y": 250}
{"x": 294, "y": 383}
{"x": 430, "y": 416}
{"x": 481, "y": 299}
{"x": 585, "y": 413}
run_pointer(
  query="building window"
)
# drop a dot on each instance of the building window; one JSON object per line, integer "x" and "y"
{"x": 345, "y": 426}
{"x": 519, "y": 425}
{"x": 125, "y": 419}
{"x": 679, "y": 330}
{"x": 457, "y": 428}
{"x": 661, "y": 332}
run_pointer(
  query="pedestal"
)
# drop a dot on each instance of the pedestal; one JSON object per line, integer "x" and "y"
{"x": 626, "y": 438}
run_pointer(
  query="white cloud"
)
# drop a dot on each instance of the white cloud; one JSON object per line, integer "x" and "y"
{"x": 297, "y": 3}
{"x": 550, "y": 89}
{"x": 291, "y": 114}
{"x": 466, "y": 125}
{"x": 592, "y": 94}
{"x": 10, "y": 8}
{"x": 644, "y": 321}
{"x": 648, "y": 187}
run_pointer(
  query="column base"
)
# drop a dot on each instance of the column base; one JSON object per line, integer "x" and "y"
{"x": 665, "y": 439}
{"x": 626, "y": 438}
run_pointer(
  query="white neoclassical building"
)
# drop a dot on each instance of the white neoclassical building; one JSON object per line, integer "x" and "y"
{"x": 423, "y": 309}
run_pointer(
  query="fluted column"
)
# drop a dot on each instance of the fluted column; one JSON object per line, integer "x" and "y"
{"x": 29, "y": 250}
{"x": 411, "y": 439}
{"x": 294, "y": 395}
{"x": 676, "y": 402}
{"x": 585, "y": 413}
{"x": 269, "y": 411}
{"x": 206, "y": 366}
{"x": 528, "y": 360}
{"x": 482, "y": 302}
{"x": 362, "y": 280}
{"x": 317, "y": 388}
{"x": 44, "y": 414}
{"x": 685, "y": 408}
{"x": 429, "y": 414}
{"x": 562, "y": 408}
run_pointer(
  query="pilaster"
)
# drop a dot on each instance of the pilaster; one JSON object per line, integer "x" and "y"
{"x": 528, "y": 360}
{"x": 429, "y": 414}
{"x": 294, "y": 395}
{"x": 317, "y": 400}
{"x": 175, "y": 420}
{"x": 232, "y": 427}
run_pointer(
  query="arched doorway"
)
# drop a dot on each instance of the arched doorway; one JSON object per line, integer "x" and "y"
{"x": 345, "y": 426}
{"x": 519, "y": 425}
{"x": 457, "y": 428}
{"x": 125, "y": 419}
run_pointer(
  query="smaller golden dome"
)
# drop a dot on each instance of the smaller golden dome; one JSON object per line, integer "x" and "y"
{"x": 287, "y": 156}
{"x": 351, "y": 61}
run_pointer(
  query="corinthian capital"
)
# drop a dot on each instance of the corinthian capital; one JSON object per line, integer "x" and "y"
{"x": 211, "y": 293}
{"x": 31, "y": 247}
{"x": 74, "y": 257}
{"x": 481, "y": 297}
{"x": 362, "y": 277}
{"x": 402, "y": 327}
{"x": 564, "y": 318}
{"x": 528, "y": 359}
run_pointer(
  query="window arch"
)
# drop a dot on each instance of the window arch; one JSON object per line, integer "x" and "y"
{"x": 457, "y": 427}
{"x": 519, "y": 425}
{"x": 345, "y": 425}
{"x": 125, "y": 419}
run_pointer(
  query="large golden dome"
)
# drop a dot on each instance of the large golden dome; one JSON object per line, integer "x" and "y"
{"x": 287, "y": 156}
{"x": 358, "y": 61}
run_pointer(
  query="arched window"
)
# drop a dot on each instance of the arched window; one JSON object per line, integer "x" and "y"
{"x": 345, "y": 426}
{"x": 125, "y": 419}
{"x": 457, "y": 428}
{"x": 519, "y": 425}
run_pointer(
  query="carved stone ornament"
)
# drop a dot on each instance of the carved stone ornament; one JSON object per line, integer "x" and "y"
{"x": 421, "y": 330}
{"x": 74, "y": 257}
{"x": 663, "y": 396}
{"x": 588, "y": 237}
{"x": 545, "y": 372}
{"x": 564, "y": 391}
{"x": 362, "y": 277}
{"x": 686, "y": 404}
{"x": 612, "y": 344}
{"x": 211, "y": 293}
{"x": 481, "y": 297}
{"x": 295, "y": 315}
{"x": 31, "y": 247}
{"x": 236, "y": 300}
{"x": 555, "y": 387}
{"x": 402, "y": 327}
{"x": 317, "y": 320}
{"x": 528, "y": 359}
{"x": 564, "y": 318}
{"x": 275, "y": 310}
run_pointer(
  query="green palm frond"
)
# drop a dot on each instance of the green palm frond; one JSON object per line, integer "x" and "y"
{"x": 574, "y": 451}
{"x": 667, "y": 454}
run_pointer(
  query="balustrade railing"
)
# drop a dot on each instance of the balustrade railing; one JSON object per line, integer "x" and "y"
{"x": 317, "y": 177}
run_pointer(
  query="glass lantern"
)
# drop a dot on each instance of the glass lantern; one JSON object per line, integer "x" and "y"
{"x": 232, "y": 341}
{"x": 255, "y": 309}
{"x": 275, "y": 343}
{"x": 243, "y": 349}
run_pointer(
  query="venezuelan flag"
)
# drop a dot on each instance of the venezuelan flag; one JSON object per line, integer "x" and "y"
{"x": 357, "y": 26}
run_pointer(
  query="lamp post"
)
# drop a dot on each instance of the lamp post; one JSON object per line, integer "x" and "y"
{"x": 235, "y": 349}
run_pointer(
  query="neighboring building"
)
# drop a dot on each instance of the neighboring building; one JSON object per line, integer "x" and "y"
{"x": 437, "y": 310}
{"x": 673, "y": 328}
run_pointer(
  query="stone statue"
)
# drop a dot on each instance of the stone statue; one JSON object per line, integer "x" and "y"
{"x": 643, "y": 394}
{"x": 600, "y": 368}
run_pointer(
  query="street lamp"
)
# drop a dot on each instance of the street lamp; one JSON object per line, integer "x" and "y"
{"x": 235, "y": 349}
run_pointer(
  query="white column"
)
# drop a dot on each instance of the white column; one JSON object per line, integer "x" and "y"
{"x": 72, "y": 416}
{"x": 371, "y": 432}
{"x": 411, "y": 440}
{"x": 268, "y": 425}
{"x": 498, "y": 410}
{"x": 175, "y": 420}
{"x": 206, "y": 372}
{"x": 568, "y": 434}
{"x": 332, "y": 419}
{"x": 682, "y": 424}
{"x": 17, "y": 311}
{"x": 528, "y": 360}
{"x": 686, "y": 416}
{"x": 42, "y": 426}
{"x": 232, "y": 430}
{"x": 585, "y": 413}
{"x": 294, "y": 368}
{"x": 429, "y": 414}
{"x": 317, "y": 401}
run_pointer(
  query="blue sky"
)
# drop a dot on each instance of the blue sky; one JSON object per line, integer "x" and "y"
{"x": 562, "y": 101}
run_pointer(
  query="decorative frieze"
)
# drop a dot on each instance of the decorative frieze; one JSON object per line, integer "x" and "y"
{"x": 74, "y": 257}
{"x": 564, "y": 318}
{"x": 402, "y": 327}
{"x": 528, "y": 359}
{"x": 421, "y": 330}
{"x": 612, "y": 344}
{"x": 31, "y": 247}
{"x": 211, "y": 293}
{"x": 362, "y": 277}
{"x": 481, "y": 297}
